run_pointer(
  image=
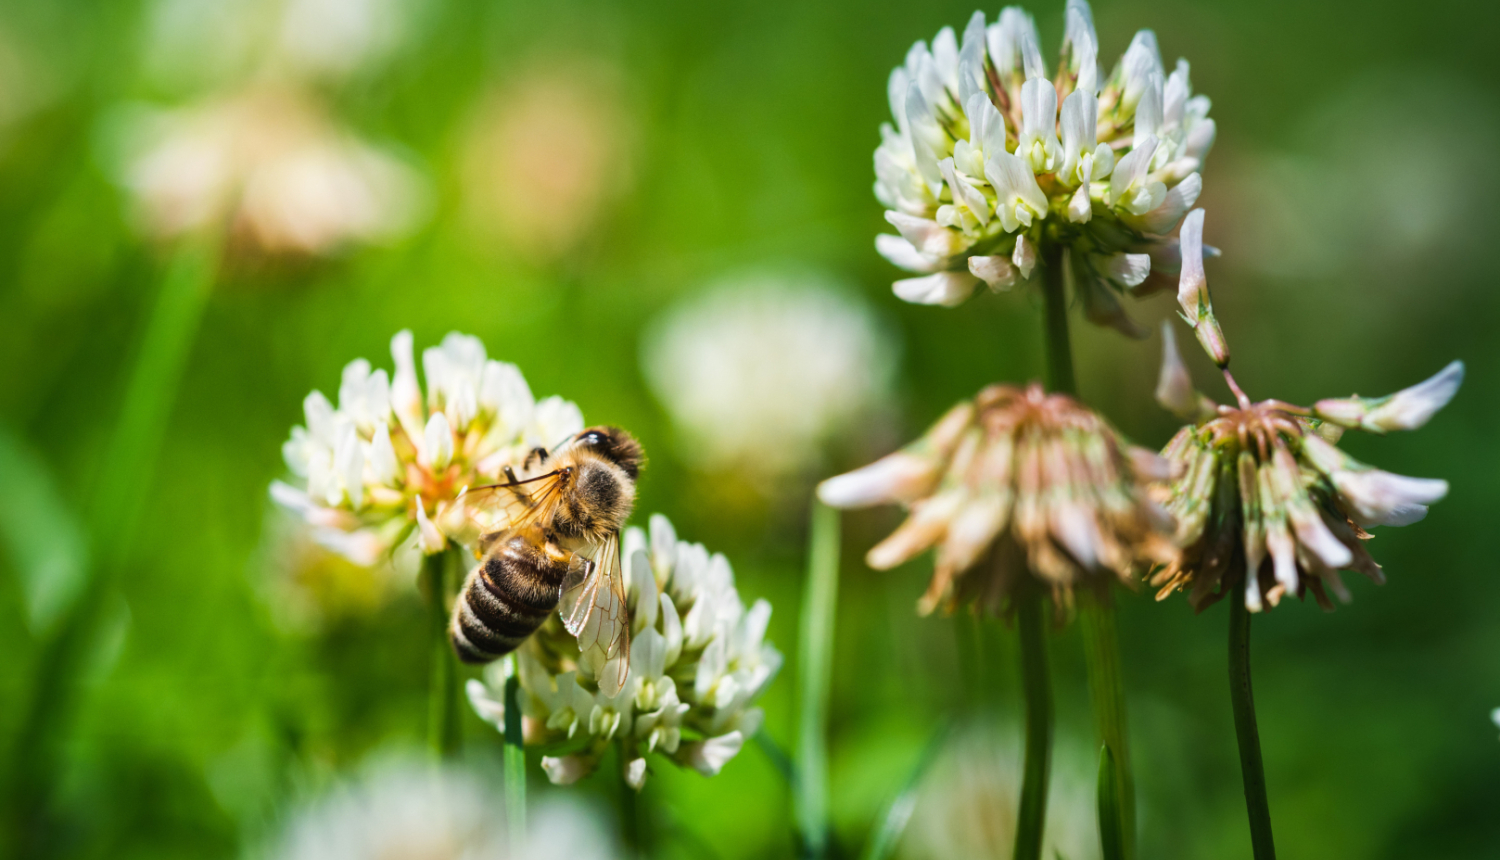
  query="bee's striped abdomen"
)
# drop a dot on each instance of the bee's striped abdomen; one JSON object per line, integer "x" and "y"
{"x": 505, "y": 599}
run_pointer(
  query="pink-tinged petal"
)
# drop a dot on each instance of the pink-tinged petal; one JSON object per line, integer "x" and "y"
{"x": 1381, "y": 498}
{"x": 1407, "y": 409}
{"x": 1174, "y": 386}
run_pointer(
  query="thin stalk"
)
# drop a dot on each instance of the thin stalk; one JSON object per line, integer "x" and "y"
{"x": 515, "y": 760}
{"x": 1252, "y": 769}
{"x": 1032, "y": 818}
{"x": 1101, "y": 642}
{"x": 640, "y": 833}
{"x": 1097, "y": 620}
{"x": 1059, "y": 348}
{"x": 815, "y": 673}
{"x": 115, "y": 516}
{"x": 443, "y": 726}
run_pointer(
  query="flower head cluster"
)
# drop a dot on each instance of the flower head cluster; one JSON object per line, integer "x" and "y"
{"x": 698, "y": 660}
{"x": 407, "y": 809}
{"x": 270, "y": 167}
{"x": 1017, "y": 480}
{"x": 759, "y": 373}
{"x": 1265, "y": 499}
{"x": 389, "y": 459}
{"x": 991, "y": 164}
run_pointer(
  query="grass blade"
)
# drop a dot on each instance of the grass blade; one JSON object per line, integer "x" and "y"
{"x": 815, "y": 674}
{"x": 45, "y": 541}
{"x": 1111, "y": 821}
{"x": 898, "y": 812}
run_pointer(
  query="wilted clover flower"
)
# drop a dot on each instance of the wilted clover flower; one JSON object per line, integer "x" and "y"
{"x": 1035, "y": 481}
{"x": 698, "y": 659}
{"x": 407, "y": 809}
{"x": 273, "y": 169}
{"x": 1262, "y": 488}
{"x": 389, "y": 459}
{"x": 991, "y": 165}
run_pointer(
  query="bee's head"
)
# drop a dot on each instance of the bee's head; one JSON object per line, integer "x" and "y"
{"x": 614, "y": 445}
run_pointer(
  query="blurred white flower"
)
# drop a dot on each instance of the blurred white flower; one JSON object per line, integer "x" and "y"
{"x": 306, "y": 586}
{"x": 270, "y": 167}
{"x": 759, "y": 373}
{"x": 389, "y": 460}
{"x": 545, "y": 154}
{"x": 226, "y": 41}
{"x": 974, "y": 173}
{"x": 408, "y": 809}
{"x": 698, "y": 660}
{"x": 966, "y": 804}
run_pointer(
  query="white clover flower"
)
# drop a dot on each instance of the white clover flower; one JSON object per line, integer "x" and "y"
{"x": 270, "y": 167}
{"x": 988, "y": 156}
{"x": 546, "y": 154}
{"x": 698, "y": 660}
{"x": 389, "y": 460}
{"x": 760, "y": 372}
{"x": 407, "y": 809}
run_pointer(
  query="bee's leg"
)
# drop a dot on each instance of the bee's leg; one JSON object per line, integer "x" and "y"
{"x": 510, "y": 478}
{"x": 538, "y": 454}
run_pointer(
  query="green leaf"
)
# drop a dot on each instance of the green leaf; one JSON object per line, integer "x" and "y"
{"x": 898, "y": 812}
{"x": 1111, "y": 825}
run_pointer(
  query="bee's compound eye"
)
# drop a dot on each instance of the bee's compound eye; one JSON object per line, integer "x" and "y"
{"x": 593, "y": 439}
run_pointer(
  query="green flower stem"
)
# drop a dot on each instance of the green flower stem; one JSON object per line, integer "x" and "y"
{"x": 1252, "y": 769}
{"x": 118, "y": 505}
{"x": 443, "y": 726}
{"x": 1101, "y": 639}
{"x": 1059, "y": 347}
{"x": 638, "y": 823}
{"x": 815, "y": 674}
{"x": 515, "y": 761}
{"x": 1032, "y": 818}
{"x": 1107, "y": 692}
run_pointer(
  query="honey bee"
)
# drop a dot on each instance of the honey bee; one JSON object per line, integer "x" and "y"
{"x": 559, "y": 549}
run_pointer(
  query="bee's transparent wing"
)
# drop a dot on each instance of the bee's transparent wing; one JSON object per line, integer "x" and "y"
{"x": 499, "y": 509}
{"x": 593, "y": 609}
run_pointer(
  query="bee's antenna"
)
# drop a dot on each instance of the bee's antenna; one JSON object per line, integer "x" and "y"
{"x": 551, "y": 474}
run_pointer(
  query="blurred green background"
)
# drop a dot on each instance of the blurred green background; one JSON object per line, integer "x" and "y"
{"x": 1351, "y": 190}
